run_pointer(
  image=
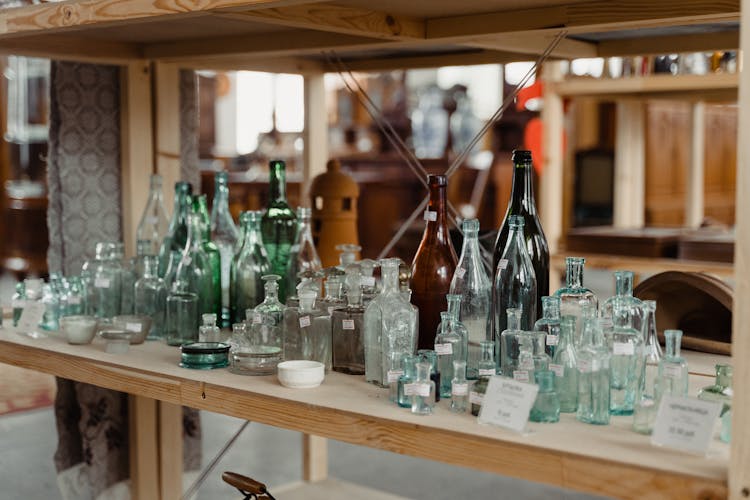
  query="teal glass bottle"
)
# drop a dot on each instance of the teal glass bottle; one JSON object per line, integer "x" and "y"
{"x": 626, "y": 361}
{"x": 487, "y": 369}
{"x": 212, "y": 252}
{"x": 549, "y": 323}
{"x": 431, "y": 357}
{"x": 154, "y": 222}
{"x": 721, "y": 392}
{"x": 279, "y": 224}
{"x": 673, "y": 369}
{"x": 151, "y": 297}
{"x": 565, "y": 367}
{"x": 574, "y": 296}
{"x": 546, "y": 407}
{"x": 248, "y": 268}
{"x": 410, "y": 374}
{"x": 225, "y": 236}
{"x": 450, "y": 346}
{"x": 423, "y": 391}
{"x": 303, "y": 258}
{"x": 644, "y": 413}
{"x": 593, "y": 373}
{"x": 103, "y": 282}
{"x": 73, "y": 298}
{"x": 18, "y": 299}
{"x": 176, "y": 235}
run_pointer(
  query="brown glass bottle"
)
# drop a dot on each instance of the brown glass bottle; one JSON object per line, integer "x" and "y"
{"x": 433, "y": 265}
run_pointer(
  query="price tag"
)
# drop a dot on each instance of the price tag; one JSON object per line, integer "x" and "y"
{"x": 552, "y": 339}
{"x": 422, "y": 389}
{"x": 443, "y": 349}
{"x": 32, "y": 315}
{"x": 526, "y": 363}
{"x": 475, "y": 398}
{"x": 133, "y": 327}
{"x": 394, "y": 375}
{"x": 74, "y": 300}
{"x": 486, "y": 372}
{"x": 347, "y": 324}
{"x": 502, "y": 264}
{"x": 558, "y": 369}
{"x": 411, "y": 389}
{"x": 672, "y": 371}
{"x": 460, "y": 272}
{"x": 507, "y": 403}
{"x": 623, "y": 349}
{"x": 430, "y": 216}
{"x": 304, "y": 321}
{"x": 587, "y": 365}
{"x": 521, "y": 375}
{"x": 461, "y": 389}
{"x": 368, "y": 281}
{"x": 685, "y": 423}
{"x": 101, "y": 283}
{"x": 257, "y": 319}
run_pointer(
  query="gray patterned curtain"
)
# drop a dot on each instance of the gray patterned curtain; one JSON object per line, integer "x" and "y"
{"x": 83, "y": 172}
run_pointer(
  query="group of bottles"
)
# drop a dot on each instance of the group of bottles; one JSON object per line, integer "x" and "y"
{"x": 60, "y": 296}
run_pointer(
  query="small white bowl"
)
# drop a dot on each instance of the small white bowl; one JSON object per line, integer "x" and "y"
{"x": 79, "y": 329}
{"x": 301, "y": 374}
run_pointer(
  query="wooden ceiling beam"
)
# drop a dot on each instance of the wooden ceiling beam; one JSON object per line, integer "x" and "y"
{"x": 529, "y": 45}
{"x": 728, "y": 40}
{"x": 74, "y": 48}
{"x": 430, "y": 60}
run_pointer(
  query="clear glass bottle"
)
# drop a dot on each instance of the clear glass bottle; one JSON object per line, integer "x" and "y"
{"x": 522, "y": 203}
{"x": 565, "y": 367}
{"x": 459, "y": 387}
{"x": 267, "y": 320}
{"x": 394, "y": 374}
{"x": 334, "y": 297}
{"x": 626, "y": 362}
{"x": 348, "y": 328}
{"x": 454, "y": 311}
{"x": 549, "y": 323}
{"x": 472, "y": 283}
{"x": 302, "y": 254}
{"x": 225, "y": 236}
{"x": 450, "y": 346}
{"x": 574, "y": 296}
{"x": 487, "y": 369}
{"x": 631, "y": 308}
{"x": 410, "y": 374}
{"x": 652, "y": 349}
{"x": 154, "y": 222}
{"x": 422, "y": 391}
{"x": 431, "y": 357}
{"x": 104, "y": 282}
{"x": 644, "y": 413}
{"x": 369, "y": 283}
{"x": 434, "y": 263}
{"x": 510, "y": 341}
{"x": 307, "y": 331}
{"x": 51, "y": 301}
{"x": 18, "y": 299}
{"x": 721, "y": 392}
{"x": 593, "y": 374}
{"x": 673, "y": 369}
{"x": 208, "y": 331}
{"x": 200, "y": 206}
{"x": 515, "y": 282}
{"x": 151, "y": 297}
{"x": 181, "y": 321}
{"x": 33, "y": 294}
{"x": 127, "y": 279}
{"x": 278, "y": 224}
{"x": 390, "y": 326}
{"x": 176, "y": 235}
{"x": 73, "y": 299}
{"x": 194, "y": 268}
{"x": 546, "y": 407}
{"x": 248, "y": 266}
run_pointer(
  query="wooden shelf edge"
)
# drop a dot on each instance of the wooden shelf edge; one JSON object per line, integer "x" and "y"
{"x": 645, "y": 264}
{"x": 696, "y": 86}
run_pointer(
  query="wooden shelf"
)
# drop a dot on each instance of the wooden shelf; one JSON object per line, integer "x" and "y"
{"x": 646, "y": 264}
{"x": 609, "y": 460}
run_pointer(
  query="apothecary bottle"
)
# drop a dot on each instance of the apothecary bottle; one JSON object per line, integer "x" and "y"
{"x": 151, "y": 297}
{"x": 565, "y": 367}
{"x": 644, "y": 413}
{"x": 631, "y": 308}
{"x": 278, "y": 224}
{"x": 459, "y": 387}
{"x": 546, "y": 407}
{"x": 154, "y": 222}
{"x": 721, "y": 392}
{"x": 209, "y": 331}
{"x": 225, "y": 236}
{"x": 181, "y": 325}
{"x": 673, "y": 369}
{"x": 410, "y": 375}
{"x": 510, "y": 345}
{"x": 307, "y": 331}
{"x": 302, "y": 255}
{"x": 434, "y": 263}
{"x": 549, "y": 323}
{"x": 177, "y": 231}
{"x": 472, "y": 283}
{"x": 348, "y": 328}
{"x": 515, "y": 282}
{"x": 248, "y": 266}
{"x": 267, "y": 320}
{"x": 487, "y": 369}
{"x": 626, "y": 364}
{"x": 574, "y": 296}
{"x": 593, "y": 373}
{"x": 522, "y": 203}
{"x": 72, "y": 301}
{"x": 422, "y": 391}
{"x": 450, "y": 346}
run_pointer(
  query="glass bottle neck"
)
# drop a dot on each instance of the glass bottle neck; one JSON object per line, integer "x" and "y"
{"x": 438, "y": 205}
{"x": 514, "y": 319}
{"x": 454, "y": 306}
{"x": 390, "y": 278}
{"x": 672, "y": 343}
{"x": 277, "y": 184}
{"x": 220, "y": 208}
{"x": 623, "y": 284}
{"x": 251, "y": 230}
{"x": 574, "y": 273}
{"x": 522, "y": 192}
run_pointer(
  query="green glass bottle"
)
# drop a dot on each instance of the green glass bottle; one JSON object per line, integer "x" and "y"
{"x": 565, "y": 367}
{"x": 200, "y": 205}
{"x": 546, "y": 407}
{"x": 279, "y": 224}
{"x": 248, "y": 268}
{"x": 177, "y": 230}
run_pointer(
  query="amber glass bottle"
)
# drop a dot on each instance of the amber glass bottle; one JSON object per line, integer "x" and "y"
{"x": 433, "y": 265}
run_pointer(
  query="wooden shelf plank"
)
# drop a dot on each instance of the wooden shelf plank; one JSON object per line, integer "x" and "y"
{"x": 647, "y": 265}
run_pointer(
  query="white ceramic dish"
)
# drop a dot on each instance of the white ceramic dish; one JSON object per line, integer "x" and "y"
{"x": 301, "y": 374}
{"x": 78, "y": 329}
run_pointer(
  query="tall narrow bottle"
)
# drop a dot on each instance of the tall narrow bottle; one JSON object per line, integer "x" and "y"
{"x": 472, "y": 283}
{"x": 177, "y": 231}
{"x": 450, "y": 346}
{"x": 151, "y": 296}
{"x": 522, "y": 203}
{"x": 225, "y": 235}
{"x": 279, "y": 224}
{"x": 721, "y": 392}
{"x": 574, "y": 296}
{"x": 626, "y": 365}
{"x": 593, "y": 374}
{"x": 673, "y": 369}
{"x": 194, "y": 268}
{"x": 565, "y": 366}
{"x": 644, "y": 413}
{"x": 302, "y": 256}
{"x": 434, "y": 264}
{"x": 200, "y": 205}
{"x": 154, "y": 222}
{"x": 248, "y": 267}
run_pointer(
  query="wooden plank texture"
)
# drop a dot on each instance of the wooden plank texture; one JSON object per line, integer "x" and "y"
{"x": 144, "y": 451}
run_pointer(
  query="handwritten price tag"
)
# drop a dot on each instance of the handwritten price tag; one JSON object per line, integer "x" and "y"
{"x": 32, "y": 315}
{"x": 685, "y": 424}
{"x": 507, "y": 403}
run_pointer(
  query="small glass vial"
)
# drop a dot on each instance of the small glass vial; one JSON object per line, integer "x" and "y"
{"x": 459, "y": 387}
{"x": 409, "y": 376}
{"x": 673, "y": 369}
{"x": 485, "y": 370}
{"x": 564, "y": 365}
{"x": 450, "y": 346}
{"x": 549, "y": 323}
{"x": 431, "y": 357}
{"x": 546, "y": 407}
{"x": 422, "y": 391}
{"x": 510, "y": 344}
{"x": 209, "y": 332}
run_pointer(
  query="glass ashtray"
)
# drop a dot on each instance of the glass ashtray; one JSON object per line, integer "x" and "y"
{"x": 204, "y": 355}
{"x": 256, "y": 360}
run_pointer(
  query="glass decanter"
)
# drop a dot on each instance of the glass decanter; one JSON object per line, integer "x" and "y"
{"x": 422, "y": 391}
{"x": 549, "y": 323}
{"x": 593, "y": 373}
{"x": 151, "y": 296}
{"x": 631, "y": 307}
{"x": 450, "y": 346}
{"x": 472, "y": 283}
{"x": 181, "y": 321}
{"x": 177, "y": 231}
{"x": 574, "y": 296}
{"x": 487, "y": 369}
{"x": 307, "y": 331}
{"x": 546, "y": 407}
{"x": 225, "y": 236}
{"x": 248, "y": 266}
{"x": 154, "y": 222}
{"x": 434, "y": 263}
{"x": 200, "y": 206}
{"x": 626, "y": 362}
{"x": 459, "y": 387}
{"x": 515, "y": 283}
{"x": 302, "y": 254}
{"x": 565, "y": 367}
{"x": 278, "y": 224}
{"x": 673, "y": 369}
{"x": 348, "y": 328}
{"x": 721, "y": 392}
{"x": 410, "y": 374}
{"x": 266, "y": 325}
{"x": 209, "y": 331}
{"x": 644, "y": 413}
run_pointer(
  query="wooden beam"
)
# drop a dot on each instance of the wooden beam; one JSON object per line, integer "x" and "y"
{"x": 385, "y": 63}
{"x": 167, "y": 124}
{"x": 551, "y": 188}
{"x": 315, "y": 134}
{"x": 241, "y": 63}
{"x": 170, "y": 451}
{"x": 726, "y": 40}
{"x": 694, "y": 189}
{"x": 532, "y": 44}
{"x": 314, "y": 458}
{"x": 144, "y": 451}
{"x": 630, "y": 160}
{"x": 72, "y": 47}
{"x": 648, "y": 85}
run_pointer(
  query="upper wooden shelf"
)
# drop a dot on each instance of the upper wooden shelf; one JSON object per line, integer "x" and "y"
{"x": 292, "y": 35}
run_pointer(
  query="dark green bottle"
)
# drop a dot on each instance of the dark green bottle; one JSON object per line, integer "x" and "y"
{"x": 279, "y": 224}
{"x": 200, "y": 206}
{"x": 177, "y": 232}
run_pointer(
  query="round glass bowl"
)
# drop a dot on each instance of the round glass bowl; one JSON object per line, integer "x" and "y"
{"x": 204, "y": 355}
{"x": 138, "y": 325}
{"x": 117, "y": 341}
{"x": 256, "y": 360}
{"x": 300, "y": 374}
{"x": 78, "y": 329}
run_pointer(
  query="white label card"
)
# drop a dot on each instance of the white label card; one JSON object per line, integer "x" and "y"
{"x": 521, "y": 375}
{"x": 487, "y": 372}
{"x": 347, "y": 324}
{"x": 672, "y": 371}
{"x": 394, "y": 375}
{"x": 587, "y": 365}
{"x": 526, "y": 363}
{"x": 460, "y": 272}
{"x": 368, "y": 281}
{"x": 304, "y": 321}
{"x": 101, "y": 283}
{"x": 507, "y": 403}
{"x": 623, "y": 349}
{"x": 32, "y": 315}
{"x": 460, "y": 389}
{"x": 558, "y": 369}
{"x": 502, "y": 264}
{"x": 553, "y": 339}
{"x": 133, "y": 327}
{"x": 257, "y": 319}
{"x": 475, "y": 398}
{"x": 685, "y": 424}
{"x": 443, "y": 349}
{"x": 417, "y": 389}
{"x": 430, "y": 216}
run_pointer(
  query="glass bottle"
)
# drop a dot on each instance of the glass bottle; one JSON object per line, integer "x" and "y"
{"x": 390, "y": 326}
{"x": 127, "y": 279}
{"x": 450, "y": 346}
{"x": 434, "y": 264}
{"x": 176, "y": 235}
{"x": 644, "y": 413}
{"x": 564, "y": 365}
{"x": 522, "y": 203}
{"x": 410, "y": 374}
{"x": 208, "y": 331}
{"x": 593, "y": 374}
{"x": 431, "y": 357}
{"x": 472, "y": 283}
{"x": 200, "y": 206}
{"x": 51, "y": 301}
{"x": 369, "y": 283}
{"x": 454, "y": 310}
{"x": 278, "y": 224}
{"x": 422, "y": 391}
{"x": 194, "y": 268}
{"x": 104, "y": 282}
{"x": 546, "y": 407}
{"x": 248, "y": 266}
{"x": 154, "y": 222}
{"x": 549, "y": 323}
{"x": 17, "y": 301}
{"x": 515, "y": 282}
{"x": 266, "y": 325}
{"x": 72, "y": 301}
{"x": 509, "y": 347}
{"x": 574, "y": 296}
{"x": 459, "y": 387}
{"x": 626, "y": 362}
{"x": 33, "y": 294}
{"x": 631, "y": 308}
{"x": 307, "y": 331}
{"x": 334, "y": 294}
{"x": 487, "y": 369}
{"x": 225, "y": 236}
{"x": 151, "y": 296}
{"x": 394, "y": 374}
{"x": 721, "y": 392}
{"x": 181, "y": 325}
{"x": 348, "y": 328}
{"x": 673, "y": 369}
{"x": 302, "y": 254}
{"x": 652, "y": 349}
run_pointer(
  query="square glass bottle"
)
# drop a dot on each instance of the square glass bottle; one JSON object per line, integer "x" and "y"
{"x": 348, "y": 328}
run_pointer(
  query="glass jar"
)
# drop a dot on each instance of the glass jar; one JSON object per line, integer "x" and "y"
{"x": 151, "y": 297}
{"x": 181, "y": 325}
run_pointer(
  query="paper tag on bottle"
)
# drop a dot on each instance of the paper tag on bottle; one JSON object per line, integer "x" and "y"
{"x": 347, "y": 324}
{"x": 257, "y": 318}
{"x": 552, "y": 339}
{"x": 672, "y": 371}
{"x": 186, "y": 261}
{"x": 507, "y": 403}
{"x": 685, "y": 423}
{"x": 444, "y": 349}
{"x": 587, "y": 365}
{"x": 526, "y": 363}
{"x": 394, "y": 375}
{"x": 422, "y": 389}
{"x": 487, "y": 372}
{"x": 101, "y": 283}
{"x": 410, "y": 389}
{"x": 558, "y": 369}
{"x": 304, "y": 321}
{"x": 18, "y": 304}
{"x": 460, "y": 389}
{"x": 475, "y": 398}
{"x": 430, "y": 215}
{"x": 460, "y": 272}
{"x": 502, "y": 264}
{"x": 368, "y": 281}
{"x": 623, "y": 349}
{"x": 74, "y": 300}
{"x": 32, "y": 315}
{"x": 133, "y": 327}
{"x": 520, "y": 375}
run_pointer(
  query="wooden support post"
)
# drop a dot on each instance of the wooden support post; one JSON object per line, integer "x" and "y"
{"x": 167, "y": 106}
{"x": 316, "y": 132}
{"x": 630, "y": 166}
{"x": 314, "y": 458}
{"x": 694, "y": 197}
{"x": 170, "y": 451}
{"x": 144, "y": 452}
{"x": 136, "y": 146}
